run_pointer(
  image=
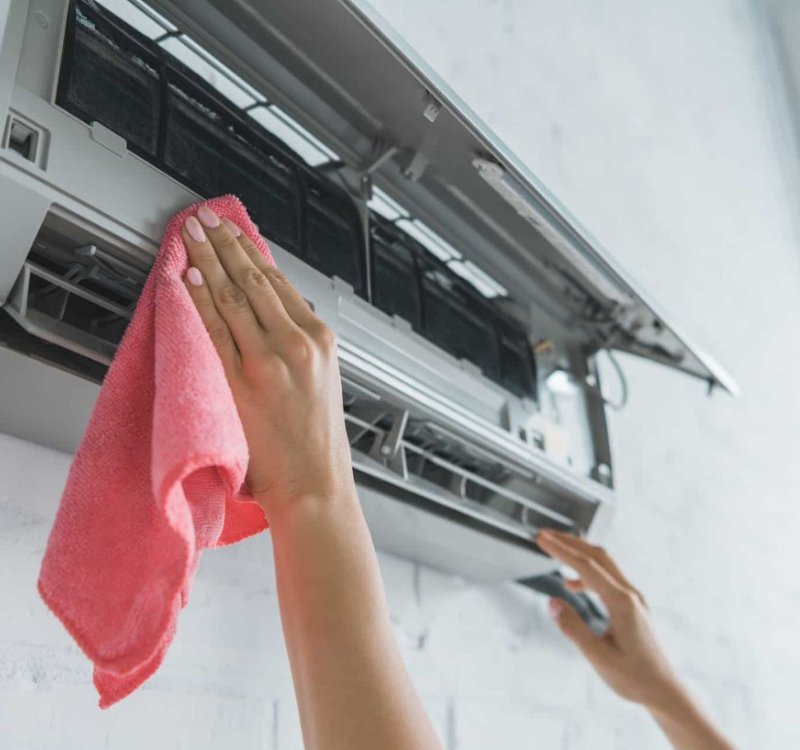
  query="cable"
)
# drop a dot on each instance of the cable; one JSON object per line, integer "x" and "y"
{"x": 623, "y": 382}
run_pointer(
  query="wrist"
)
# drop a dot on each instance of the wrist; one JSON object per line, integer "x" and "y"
{"x": 684, "y": 723}
{"x": 672, "y": 701}
{"x": 336, "y": 493}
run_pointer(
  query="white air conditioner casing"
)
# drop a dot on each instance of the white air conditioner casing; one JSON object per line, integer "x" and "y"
{"x": 453, "y": 469}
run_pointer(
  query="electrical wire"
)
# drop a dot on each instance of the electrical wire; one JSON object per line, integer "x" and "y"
{"x": 623, "y": 382}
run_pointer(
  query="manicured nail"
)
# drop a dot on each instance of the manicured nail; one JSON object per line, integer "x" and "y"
{"x": 207, "y": 217}
{"x": 232, "y": 228}
{"x": 194, "y": 277}
{"x": 195, "y": 230}
{"x": 556, "y": 607}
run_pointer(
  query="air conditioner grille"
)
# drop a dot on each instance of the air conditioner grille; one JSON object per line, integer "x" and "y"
{"x": 423, "y": 457}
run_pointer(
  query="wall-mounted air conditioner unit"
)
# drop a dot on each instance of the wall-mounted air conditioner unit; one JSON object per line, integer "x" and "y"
{"x": 468, "y": 305}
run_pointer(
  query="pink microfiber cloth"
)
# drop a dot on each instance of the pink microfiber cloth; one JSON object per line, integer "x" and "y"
{"x": 157, "y": 478}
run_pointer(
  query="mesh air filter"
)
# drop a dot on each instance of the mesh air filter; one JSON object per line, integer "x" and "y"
{"x": 109, "y": 75}
{"x": 395, "y": 283}
{"x": 334, "y": 242}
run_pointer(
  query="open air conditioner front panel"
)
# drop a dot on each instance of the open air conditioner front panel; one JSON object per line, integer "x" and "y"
{"x": 355, "y": 82}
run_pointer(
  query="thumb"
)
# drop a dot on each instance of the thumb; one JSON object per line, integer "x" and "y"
{"x": 571, "y": 625}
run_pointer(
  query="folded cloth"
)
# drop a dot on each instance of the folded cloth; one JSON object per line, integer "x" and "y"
{"x": 157, "y": 478}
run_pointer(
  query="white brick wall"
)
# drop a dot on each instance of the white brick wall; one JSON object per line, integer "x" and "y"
{"x": 652, "y": 121}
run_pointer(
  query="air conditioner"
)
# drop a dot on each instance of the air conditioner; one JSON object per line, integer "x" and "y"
{"x": 469, "y": 306}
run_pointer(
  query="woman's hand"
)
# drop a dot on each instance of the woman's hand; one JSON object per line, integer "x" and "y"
{"x": 280, "y": 360}
{"x": 628, "y": 657}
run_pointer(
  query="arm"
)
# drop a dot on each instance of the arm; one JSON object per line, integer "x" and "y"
{"x": 628, "y": 657}
{"x": 685, "y": 724}
{"x": 351, "y": 684}
{"x": 280, "y": 360}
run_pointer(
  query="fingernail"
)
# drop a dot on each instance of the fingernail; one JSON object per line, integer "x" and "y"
{"x": 545, "y": 534}
{"x": 195, "y": 230}
{"x": 194, "y": 277}
{"x": 232, "y": 228}
{"x": 207, "y": 217}
{"x": 556, "y": 607}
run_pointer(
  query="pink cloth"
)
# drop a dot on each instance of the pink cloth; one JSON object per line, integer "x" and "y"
{"x": 157, "y": 478}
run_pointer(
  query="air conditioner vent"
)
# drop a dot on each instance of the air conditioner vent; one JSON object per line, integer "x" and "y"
{"x": 78, "y": 296}
{"x": 415, "y": 455}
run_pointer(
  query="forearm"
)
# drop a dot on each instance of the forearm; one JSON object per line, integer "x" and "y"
{"x": 352, "y": 687}
{"x": 685, "y": 724}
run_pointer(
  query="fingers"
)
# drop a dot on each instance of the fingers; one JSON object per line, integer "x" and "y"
{"x": 244, "y": 300}
{"x": 593, "y": 575}
{"x": 230, "y": 300}
{"x": 601, "y": 557}
{"x": 257, "y": 289}
{"x": 215, "y": 324}
{"x": 595, "y": 648}
{"x": 598, "y": 554}
{"x": 294, "y": 303}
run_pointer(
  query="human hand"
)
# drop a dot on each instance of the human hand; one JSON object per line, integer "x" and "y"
{"x": 280, "y": 360}
{"x": 628, "y": 656}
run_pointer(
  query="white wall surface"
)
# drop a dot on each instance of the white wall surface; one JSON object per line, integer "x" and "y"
{"x": 654, "y": 123}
